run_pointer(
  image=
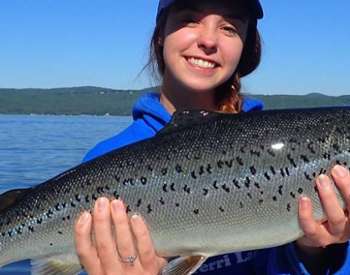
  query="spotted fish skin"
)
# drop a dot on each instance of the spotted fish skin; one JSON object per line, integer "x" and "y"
{"x": 207, "y": 184}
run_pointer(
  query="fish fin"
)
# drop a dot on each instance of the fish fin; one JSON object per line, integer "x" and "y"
{"x": 183, "y": 119}
{"x": 67, "y": 264}
{"x": 183, "y": 265}
{"x": 11, "y": 197}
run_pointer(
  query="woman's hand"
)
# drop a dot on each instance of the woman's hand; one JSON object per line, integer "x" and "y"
{"x": 120, "y": 245}
{"x": 337, "y": 228}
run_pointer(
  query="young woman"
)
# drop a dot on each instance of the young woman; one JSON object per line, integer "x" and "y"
{"x": 201, "y": 49}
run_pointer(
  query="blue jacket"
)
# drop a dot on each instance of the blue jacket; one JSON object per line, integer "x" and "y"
{"x": 149, "y": 117}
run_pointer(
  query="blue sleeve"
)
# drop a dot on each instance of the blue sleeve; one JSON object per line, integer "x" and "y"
{"x": 134, "y": 133}
{"x": 284, "y": 260}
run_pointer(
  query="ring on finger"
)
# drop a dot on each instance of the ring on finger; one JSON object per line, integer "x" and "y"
{"x": 129, "y": 259}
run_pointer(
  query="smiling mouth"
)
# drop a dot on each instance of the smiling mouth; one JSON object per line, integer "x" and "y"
{"x": 201, "y": 63}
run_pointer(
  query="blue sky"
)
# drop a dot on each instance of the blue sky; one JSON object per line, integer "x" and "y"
{"x": 60, "y": 43}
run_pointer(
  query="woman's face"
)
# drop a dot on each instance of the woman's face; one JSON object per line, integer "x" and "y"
{"x": 203, "y": 44}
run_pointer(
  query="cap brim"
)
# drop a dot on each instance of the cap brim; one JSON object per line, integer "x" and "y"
{"x": 255, "y": 6}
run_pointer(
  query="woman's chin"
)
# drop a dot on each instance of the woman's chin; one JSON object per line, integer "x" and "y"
{"x": 200, "y": 88}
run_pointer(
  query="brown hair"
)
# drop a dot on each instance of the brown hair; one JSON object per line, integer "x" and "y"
{"x": 227, "y": 96}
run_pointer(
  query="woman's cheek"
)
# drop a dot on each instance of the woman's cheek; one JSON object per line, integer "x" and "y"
{"x": 180, "y": 41}
{"x": 231, "y": 53}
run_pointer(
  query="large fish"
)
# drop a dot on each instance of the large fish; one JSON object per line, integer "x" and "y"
{"x": 207, "y": 184}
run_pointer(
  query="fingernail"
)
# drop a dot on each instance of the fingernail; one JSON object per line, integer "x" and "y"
{"x": 117, "y": 205}
{"x": 304, "y": 202}
{"x": 323, "y": 181}
{"x": 101, "y": 204}
{"x": 340, "y": 171}
{"x": 135, "y": 216}
{"x": 136, "y": 219}
{"x": 83, "y": 218}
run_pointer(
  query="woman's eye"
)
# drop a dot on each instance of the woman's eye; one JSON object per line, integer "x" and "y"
{"x": 189, "y": 21}
{"x": 230, "y": 30}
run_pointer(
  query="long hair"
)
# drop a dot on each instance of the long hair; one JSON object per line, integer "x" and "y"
{"x": 227, "y": 96}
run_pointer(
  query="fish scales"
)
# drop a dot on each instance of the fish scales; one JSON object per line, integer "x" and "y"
{"x": 207, "y": 184}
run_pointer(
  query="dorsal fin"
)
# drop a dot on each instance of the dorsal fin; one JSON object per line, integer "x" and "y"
{"x": 184, "y": 119}
{"x": 11, "y": 197}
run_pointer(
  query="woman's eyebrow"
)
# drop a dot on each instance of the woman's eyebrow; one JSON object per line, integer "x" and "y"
{"x": 234, "y": 16}
{"x": 236, "y": 20}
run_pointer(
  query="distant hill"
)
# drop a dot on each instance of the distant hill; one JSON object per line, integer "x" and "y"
{"x": 101, "y": 101}
{"x": 302, "y": 101}
{"x": 70, "y": 101}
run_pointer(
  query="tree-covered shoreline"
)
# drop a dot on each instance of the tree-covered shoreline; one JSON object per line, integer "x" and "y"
{"x": 101, "y": 101}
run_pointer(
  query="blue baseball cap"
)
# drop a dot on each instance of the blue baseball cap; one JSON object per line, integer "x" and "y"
{"x": 254, "y": 6}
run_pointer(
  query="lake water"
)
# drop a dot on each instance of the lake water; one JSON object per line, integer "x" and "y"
{"x": 35, "y": 148}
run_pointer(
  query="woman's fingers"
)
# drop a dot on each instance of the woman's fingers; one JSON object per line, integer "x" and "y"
{"x": 120, "y": 246}
{"x": 311, "y": 228}
{"x": 306, "y": 220}
{"x": 335, "y": 214}
{"x": 124, "y": 237}
{"x": 144, "y": 242}
{"x": 336, "y": 229}
{"x": 105, "y": 242}
{"x": 341, "y": 178}
{"x": 84, "y": 247}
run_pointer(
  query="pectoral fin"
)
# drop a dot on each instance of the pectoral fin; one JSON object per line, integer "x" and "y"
{"x": 61, "y": 264}
{"x": 183, "y": 265}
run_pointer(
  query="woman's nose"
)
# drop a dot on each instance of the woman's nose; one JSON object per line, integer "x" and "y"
{"x": 208, "y": 39}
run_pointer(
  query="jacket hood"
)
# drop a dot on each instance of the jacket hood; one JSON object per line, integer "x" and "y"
{"x": 149, "y": 109}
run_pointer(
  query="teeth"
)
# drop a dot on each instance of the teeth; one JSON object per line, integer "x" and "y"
{"x": 201, "y": 63}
